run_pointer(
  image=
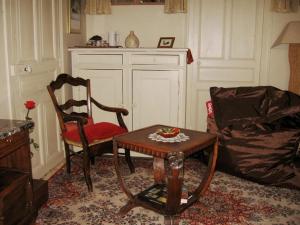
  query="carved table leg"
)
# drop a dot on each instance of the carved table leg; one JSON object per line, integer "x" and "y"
{"x": 159, "y": 170}
{"x": 131, "y": 203}
{"x": 175, "y": 181}
{"x": 126, "y": 208}
{"x": 171, "y": 220}
{"x": 209, "y": 172}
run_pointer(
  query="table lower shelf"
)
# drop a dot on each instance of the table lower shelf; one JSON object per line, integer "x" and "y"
{"x": 155, "y": 198}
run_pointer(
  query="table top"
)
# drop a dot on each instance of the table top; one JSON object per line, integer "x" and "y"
{"x": 138, "y": 141}
{"x": 10, "y": 127}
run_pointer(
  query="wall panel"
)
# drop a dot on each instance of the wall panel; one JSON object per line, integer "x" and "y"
{"x": 212, "y": 40}
{"x": 243, "y": 27}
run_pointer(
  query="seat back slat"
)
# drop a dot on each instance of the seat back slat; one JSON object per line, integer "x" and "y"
{"x": 85, "y": 104}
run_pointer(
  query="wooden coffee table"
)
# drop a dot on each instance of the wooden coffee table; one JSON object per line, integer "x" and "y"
{"x": 139, "y": 141}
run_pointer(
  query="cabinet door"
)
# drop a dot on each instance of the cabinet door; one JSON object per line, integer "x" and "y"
{"x": 155, "y": 98}
{"x": 106, "y": 88}
{"x": 226, "y": 41}
{"x": 33, "y": 40}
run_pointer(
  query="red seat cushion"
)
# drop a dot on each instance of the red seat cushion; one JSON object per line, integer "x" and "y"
{"x": 95, "y": 132}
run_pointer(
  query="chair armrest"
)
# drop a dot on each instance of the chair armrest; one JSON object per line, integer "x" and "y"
{"x": 110, "y": 109}
{"x": 118, "y": 111}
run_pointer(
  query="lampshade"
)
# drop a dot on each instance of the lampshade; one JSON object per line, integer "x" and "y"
{"x": 289, "y": 35}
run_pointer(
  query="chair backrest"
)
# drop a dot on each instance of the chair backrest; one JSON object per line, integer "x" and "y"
{"x": 61, "y": 109}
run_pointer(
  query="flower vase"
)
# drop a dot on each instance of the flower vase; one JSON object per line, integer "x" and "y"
{"x": 132, "y": 41}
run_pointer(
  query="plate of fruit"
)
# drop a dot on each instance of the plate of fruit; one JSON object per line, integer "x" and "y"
{"x": 168, "y": 132}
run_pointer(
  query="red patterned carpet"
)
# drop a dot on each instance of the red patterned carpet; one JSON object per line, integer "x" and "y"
{"x": 229, "y": 201}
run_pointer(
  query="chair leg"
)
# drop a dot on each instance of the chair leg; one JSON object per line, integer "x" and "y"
{"x": 128, "y": 160}
{"x": 68, "y": 160}
{"x": 86, "y": 170}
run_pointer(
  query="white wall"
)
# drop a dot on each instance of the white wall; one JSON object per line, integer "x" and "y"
{"x": 5, "y": 112}
{"x": 275, "y": 65}
{"x": 69, "y": 40}
{"x": 149, "y": 23}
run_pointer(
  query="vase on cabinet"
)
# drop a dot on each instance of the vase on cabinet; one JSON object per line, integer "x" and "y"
{"x": 132, "y": 41}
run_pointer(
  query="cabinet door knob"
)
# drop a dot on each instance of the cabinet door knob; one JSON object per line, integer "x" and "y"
{"x": 28, "y": 68}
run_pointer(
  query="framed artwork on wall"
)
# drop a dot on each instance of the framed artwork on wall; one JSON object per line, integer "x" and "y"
{"x": 74, "y": 16}
{"x": 166, "y": 42}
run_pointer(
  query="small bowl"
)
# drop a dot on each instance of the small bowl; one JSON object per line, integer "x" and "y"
{"x": 168, "y": 132}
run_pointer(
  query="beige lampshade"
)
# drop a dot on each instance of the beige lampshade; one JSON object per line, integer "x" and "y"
{"x": 289, "y": 35}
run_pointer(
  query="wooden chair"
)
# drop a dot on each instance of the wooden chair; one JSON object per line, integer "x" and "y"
{"x": 79, "y": 129}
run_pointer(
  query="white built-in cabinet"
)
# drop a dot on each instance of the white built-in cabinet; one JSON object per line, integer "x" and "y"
{"x": 149, "y": 83}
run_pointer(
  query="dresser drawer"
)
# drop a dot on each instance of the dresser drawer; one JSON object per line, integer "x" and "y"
{"x": 143, "y": 59}
{"x": 12, "y": 142}
{"x": 99, "y": 59}
{"x": 14, "y": 196}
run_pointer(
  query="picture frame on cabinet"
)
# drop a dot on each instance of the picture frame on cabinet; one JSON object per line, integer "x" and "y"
{"x": 74, "y": 16}
{"x": 166, "y": 42}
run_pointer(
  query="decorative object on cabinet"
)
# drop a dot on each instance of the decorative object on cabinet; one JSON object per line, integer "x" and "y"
{"x": 20, "y": 195}
{"x": 96, "y": 40}
{"x": 166, "y": 42}
{"x": 74, "y": 16}
{"x": 132, "y": 41}
{"x": 285, "y": 6}
{"x": 291, "y": 35}
{"x": 137, "y": 2}
{"x": 78, "y": 128}
{"x": 113, "y": 38}
{"x": 175, "y": 6}
{"x": 138, "y": 79}
{"x": 99, "y": 7}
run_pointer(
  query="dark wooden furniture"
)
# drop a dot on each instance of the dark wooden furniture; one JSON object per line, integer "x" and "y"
{"x": 16, "y": 184}
{"x": 78, "y": 128}
{"x": 138, "y": 141}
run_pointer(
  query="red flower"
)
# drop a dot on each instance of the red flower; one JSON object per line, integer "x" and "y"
{"x": 29, "y": 104}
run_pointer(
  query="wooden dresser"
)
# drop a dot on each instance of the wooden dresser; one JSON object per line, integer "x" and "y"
{"x": 19, "y": 198}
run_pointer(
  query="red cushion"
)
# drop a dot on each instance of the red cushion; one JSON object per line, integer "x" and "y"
{"x": 73, "y": 125}
{"x": 95, "y": 132}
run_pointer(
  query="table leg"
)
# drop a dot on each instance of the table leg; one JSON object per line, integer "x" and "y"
{"x": 171, "y": 220}
{"x": 131, "y": 203}
{"x": 209, "y": 173}
{"x": 159, "y": 170}
{"x": 175, "y": 181}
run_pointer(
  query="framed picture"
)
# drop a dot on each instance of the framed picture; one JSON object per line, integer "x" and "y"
{"x": 74, "y": 16}
{"x": 166, "y": 42}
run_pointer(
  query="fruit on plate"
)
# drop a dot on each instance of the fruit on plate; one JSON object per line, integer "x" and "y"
{"x": 168, "y": 132}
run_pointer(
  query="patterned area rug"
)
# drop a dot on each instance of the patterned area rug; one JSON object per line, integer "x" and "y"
{"x": 229, "y": 200}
